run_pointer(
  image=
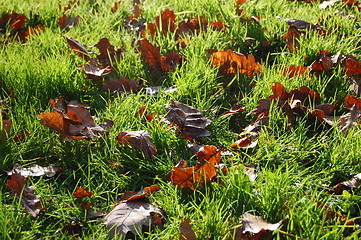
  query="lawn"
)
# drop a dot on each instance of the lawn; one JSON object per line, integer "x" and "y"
{"x": 207, "y": 119}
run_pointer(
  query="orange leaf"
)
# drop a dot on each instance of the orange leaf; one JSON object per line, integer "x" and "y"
{"x": 203, "y": 171}
{"x": 82, "y": 192}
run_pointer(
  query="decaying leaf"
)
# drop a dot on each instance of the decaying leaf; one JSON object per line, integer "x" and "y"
{"x": 151, "y": 55}
{"x": 72, "y": 120}
{"x": 352, "y": 183}
{"x": 35, "y": 170}
{"x": 121, "y": 84}
{"x": 132, "y": 196}
{"x": 300, "y": 24}
{"x": 131, "y": 217}
{"x": 204, "y": 171}
{"x": 29, "y": 200}
{"x": 254, "y": 227}
{"x": 230, "y": 62}
{"x": 138, "y": 140}
{"x": 189, "y": 120}
{"x": 186, "y": 230}
{"x": 82, "y": 192}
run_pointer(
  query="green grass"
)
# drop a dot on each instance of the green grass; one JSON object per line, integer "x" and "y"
{"x": 296, "y": 167}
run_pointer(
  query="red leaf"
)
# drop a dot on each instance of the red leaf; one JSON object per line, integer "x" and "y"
{"x": 132, "y": 196}
{"x": 353, "y": 67}
{"x": 15, "y": 20}
{"x": 82, "y": 192}
{"x": 351, "y": 101}
{"x": 292, "y": 37}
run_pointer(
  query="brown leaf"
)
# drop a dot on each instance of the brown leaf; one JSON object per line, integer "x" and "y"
{"x": 73, "y": 229}
{"x": 35, "y": 170}
{"x": 72, "y": 120}
{"x": 121, "y": 84}
{"x": 163, "y": 23}
{"x": 189, "y": 120}
{"x": 352, "y": 183}
{"x": 300, "y": 24}
{"x": 353, "y": 67}
{"x": 235, "y": 109}
{"x": 29, "y": 200}
{"x": 151, "y": 55}
{"x": 14, "y": 20}
{"x": 230, "y": 62}
{"x": 108, "y": 53}
{"x": 292, "y": 37}
{"x": 130, "y": 217}
{"x": 186, "y": 230}
{"x": 66, "y": 22}
{"x": 82, "y": 192}
{"x": 138, "y": 140}
{"x": 203, "y": 171}
{"x": 93, "y": 71}
{"x": 79, "y": 49}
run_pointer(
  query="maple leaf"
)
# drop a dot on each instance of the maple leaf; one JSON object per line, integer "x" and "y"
{"x": 108, "y": 53}
{"x": 131, "y": 217}
{"x": 230, "y": 62}
{"x": 255, "y": 225}
{"x": 35, "y": 170}
{"x": 72, "y": 120}
{"x": 203, "y": 171}
{"x": 29, "y": 200}
{"x": 190, "y": 121}
{"x": 151, "y": 55}
{"x": 121, "y": 84}
{"x": 138, "y": 140}
{"x": 186, "y": 230}
{"x": 82, "y": 192}
{"x": 163, "y": 23}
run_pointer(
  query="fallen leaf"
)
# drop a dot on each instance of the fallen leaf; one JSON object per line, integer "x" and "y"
{"x": 73, "y": 229}
{"x": 255, "y": 225}
{"x": 66, "y": 22}
{"x": 82, "y": 192}
{"x": 186, "y": 230}
{"x": 203, "y": 171}
{"x": 130, "y": 217}
{"x": 72, "y": 120}
{"x": 230, "y": 62}
{"x": 35, "y": 170}
{"x": 189, "y": 120}
{"x": 292, "y": 37}
{"x": 296, "y": 71}
{"x": 151, "y": 55}
{"x": 29, "y": 200}
{"x": 132, "y": 196}
{"x": 300, "y": 24}
{"x": 138, "y": 140}
{"x": 79, "y": 49}
{"x": 352, "y": 183}
{"x": 121, "y": 84}
{"x": 108, "y": 53}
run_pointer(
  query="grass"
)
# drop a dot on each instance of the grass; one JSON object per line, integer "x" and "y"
{"x": 295, "y": 167}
